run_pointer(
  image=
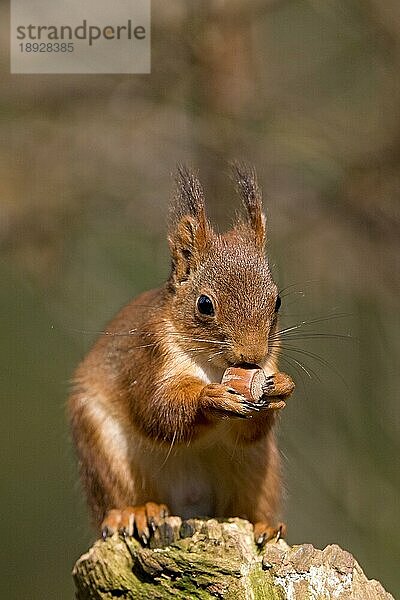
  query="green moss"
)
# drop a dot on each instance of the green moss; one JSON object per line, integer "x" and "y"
{"x": 262, "y": 585}
{"x": 210, "y": 564}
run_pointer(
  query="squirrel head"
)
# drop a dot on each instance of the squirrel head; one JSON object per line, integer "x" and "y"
{"x": 223, "y": 301}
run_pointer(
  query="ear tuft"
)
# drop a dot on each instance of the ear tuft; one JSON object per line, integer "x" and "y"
{"x": 250, "y": 193}
{"x": 189, "y": 230}
{"x": 188, "y": 198}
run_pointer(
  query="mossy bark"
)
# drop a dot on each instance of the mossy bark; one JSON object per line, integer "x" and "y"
{"x": 208, "y": 559}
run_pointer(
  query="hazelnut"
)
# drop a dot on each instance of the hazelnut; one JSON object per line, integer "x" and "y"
{"x": 246, "y": 381}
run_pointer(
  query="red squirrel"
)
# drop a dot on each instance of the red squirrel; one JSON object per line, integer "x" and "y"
{"x": 156, "y": 432}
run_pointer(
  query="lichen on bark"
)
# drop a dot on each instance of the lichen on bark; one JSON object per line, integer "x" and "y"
{"x": 206, "y": 559}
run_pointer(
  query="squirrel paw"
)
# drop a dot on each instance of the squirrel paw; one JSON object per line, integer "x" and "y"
{"x": 222, "y": 400}
{"x": 264, "y": 533}
{"x": 138, "y": 521}
{"x": 278, "y": 385}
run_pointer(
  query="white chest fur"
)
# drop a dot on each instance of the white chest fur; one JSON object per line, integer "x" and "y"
{"x": 189, "y": 477}
{"x": 193, "y": 491}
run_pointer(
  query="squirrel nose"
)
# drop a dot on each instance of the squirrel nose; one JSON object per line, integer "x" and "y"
{"x": 252, "y": 356}
{"x": 250, "y": 359}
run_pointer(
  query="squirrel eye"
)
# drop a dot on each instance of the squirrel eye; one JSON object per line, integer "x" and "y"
{"x": 205, "y": 306}
{"x": 278, "y": 303}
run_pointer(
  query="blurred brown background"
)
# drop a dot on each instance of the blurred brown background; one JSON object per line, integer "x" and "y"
{"x": 309, "y": 91}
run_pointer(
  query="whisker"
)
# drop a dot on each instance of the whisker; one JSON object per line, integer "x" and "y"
{"x": 209, "y": 341}
{"x": 138, "y": 332}
{"x": 294, "y": 285}
{"x": 119, "y": 334}
{"x": 169, "y": 450}
{"x": 312, "y": 335}
{"x": 185, "y": 360}
{"x": 311, "y": 322}
{"x": 110, "y": 333}
{"x": 307, "y": 370}
{"x": 286, "y": 359}
{"x": 318, "y": 358}
{"x": 296, "y": 292}
{"x": 212, "y": 356}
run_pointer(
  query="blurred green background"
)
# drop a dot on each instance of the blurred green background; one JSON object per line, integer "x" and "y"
{"x": 309, "y": 91}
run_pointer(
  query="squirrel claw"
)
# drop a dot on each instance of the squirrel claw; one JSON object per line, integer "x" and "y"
{"x": 152, "y": 524}
{"x": 144, "y": 539}
{"x": 264, "y": 533}
{"x": 264, "y": 403}
{"x": 251, "y": 406}
{"x": 223, "y": 401}
{"x": 278, "y": 385}
{"x": 111, "y": 523}
{"x": 134, "y": 521}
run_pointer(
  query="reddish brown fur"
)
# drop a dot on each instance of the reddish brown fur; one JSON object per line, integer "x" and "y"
{"x": 149, "y": 421}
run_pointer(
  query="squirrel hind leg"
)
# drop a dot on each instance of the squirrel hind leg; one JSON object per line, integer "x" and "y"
{"x": 134, "y": 521}
{"x": 263, "y": 532}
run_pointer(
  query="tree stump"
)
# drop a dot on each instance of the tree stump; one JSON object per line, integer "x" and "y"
{"x": 208, "y": 559}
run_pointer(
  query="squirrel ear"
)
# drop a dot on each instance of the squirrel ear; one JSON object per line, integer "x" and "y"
{"x": 250, "y": 193}
{"x": 189, "y": 230}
